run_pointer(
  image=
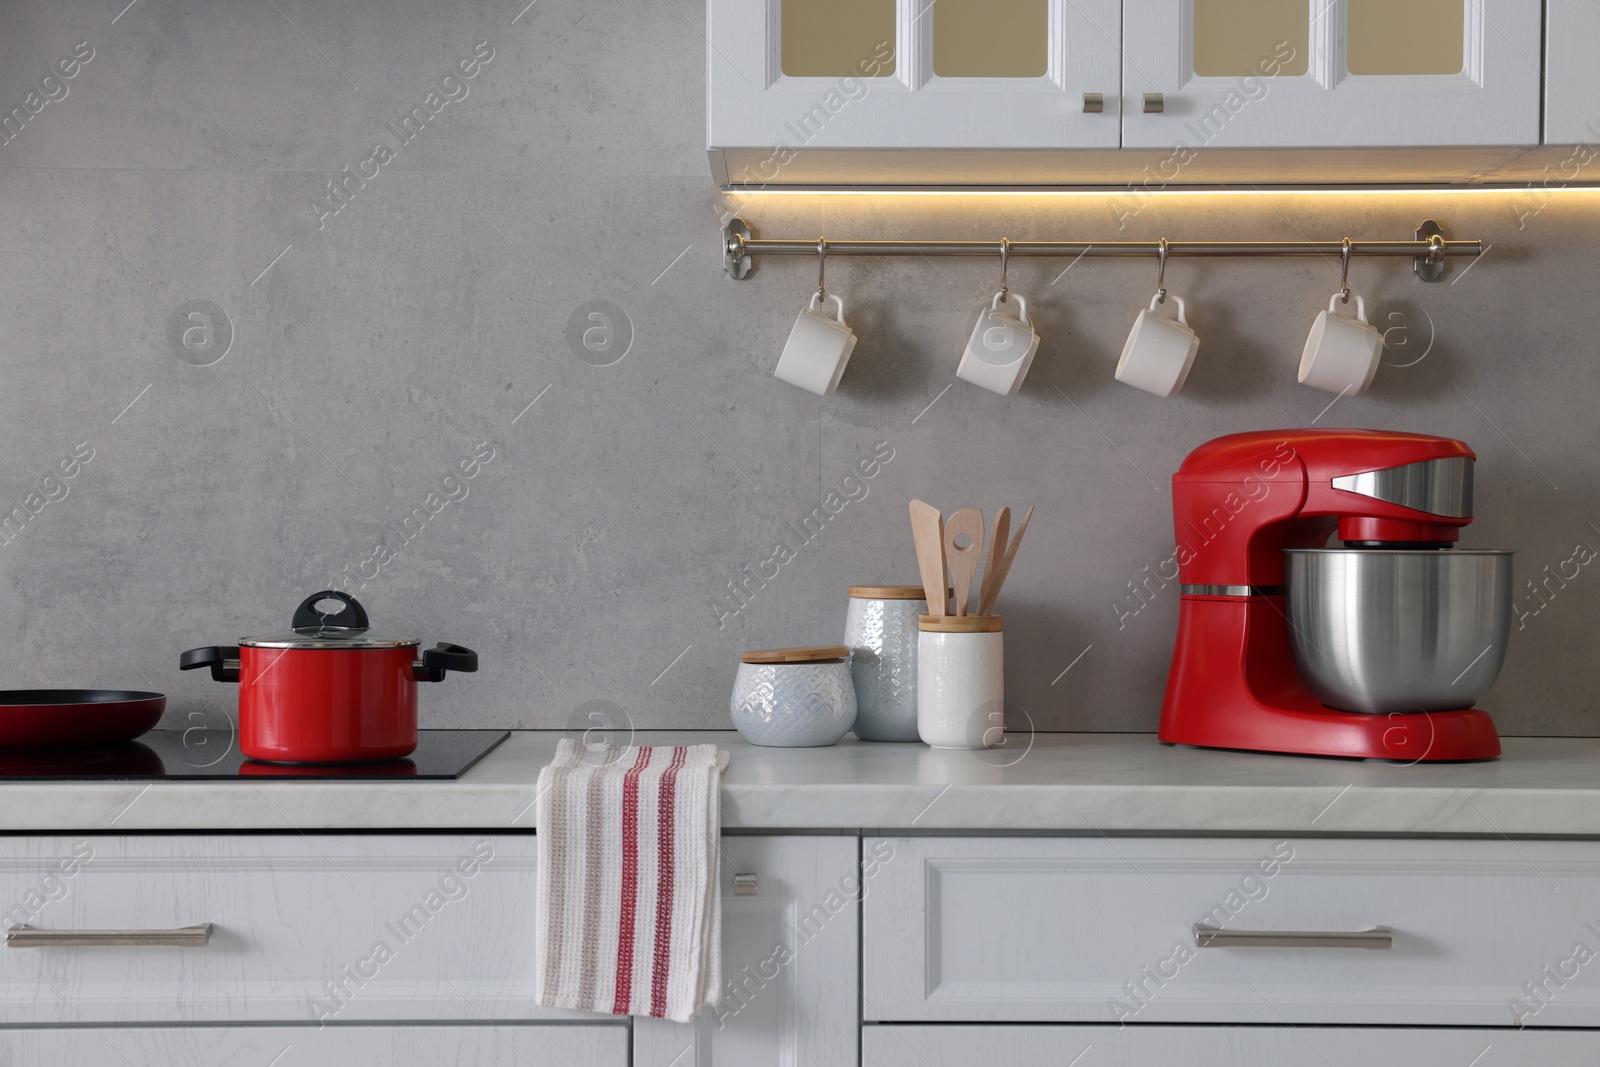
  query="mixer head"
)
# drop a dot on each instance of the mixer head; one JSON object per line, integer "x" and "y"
{"x": 1240, "y": 500}
{"x": 1440, "y": 487}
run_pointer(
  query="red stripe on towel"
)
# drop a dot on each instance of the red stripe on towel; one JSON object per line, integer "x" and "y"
{"x": 664, "y": 868}
{"x": 630, "y": 882}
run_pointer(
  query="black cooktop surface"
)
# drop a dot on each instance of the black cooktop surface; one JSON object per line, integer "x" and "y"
{"x": 213, "y": 755}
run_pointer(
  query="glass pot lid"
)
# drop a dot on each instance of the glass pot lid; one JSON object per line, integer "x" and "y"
{"x": 318, "y": 624}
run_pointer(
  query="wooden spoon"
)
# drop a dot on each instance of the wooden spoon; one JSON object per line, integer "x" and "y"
{"x": 990, "y": 595}
{"x": 963, "y": 547}
{"x": 927, "y": 530}
{"x": 997, "y": 548}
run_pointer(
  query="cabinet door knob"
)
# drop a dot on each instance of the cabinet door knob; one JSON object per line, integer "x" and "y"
{"x": 1154, "y": 103}
{"x": 1094, "y": 103}
{"x": 744, "y": 885}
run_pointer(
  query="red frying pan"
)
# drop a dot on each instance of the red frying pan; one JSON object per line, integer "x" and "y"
{"x": 33, "y": 717}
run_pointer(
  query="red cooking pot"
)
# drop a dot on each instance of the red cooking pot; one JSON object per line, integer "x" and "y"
{"x": 328, "y": 690}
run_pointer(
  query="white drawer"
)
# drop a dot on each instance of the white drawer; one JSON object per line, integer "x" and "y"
{"x": 501, "y": 1045}
{"x": 1220, "y": 1046}
{"x": 304, "y": 928}
{"x": 1101, "y": 930}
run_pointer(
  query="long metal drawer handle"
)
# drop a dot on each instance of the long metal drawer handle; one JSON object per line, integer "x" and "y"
{"x": 29, "y": 937}
{"x": 1214, "y": 937}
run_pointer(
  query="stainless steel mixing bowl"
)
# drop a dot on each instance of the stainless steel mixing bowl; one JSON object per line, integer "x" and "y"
{"x": 1397, "y": 630}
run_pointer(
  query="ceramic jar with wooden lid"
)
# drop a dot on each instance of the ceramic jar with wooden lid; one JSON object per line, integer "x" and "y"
{"x": 794, "y": 697}
{"x": 880, "y": 629}
{"x": 961, "y": 681}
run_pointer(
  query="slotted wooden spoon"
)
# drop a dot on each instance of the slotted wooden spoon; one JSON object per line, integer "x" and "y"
{"x": 963, "y": 549}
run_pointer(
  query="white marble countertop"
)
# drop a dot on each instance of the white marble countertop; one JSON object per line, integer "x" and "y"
{"x": 1069, "y": 783}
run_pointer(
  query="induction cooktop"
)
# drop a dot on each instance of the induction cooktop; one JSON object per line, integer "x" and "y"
{"x": 213, "y": 755}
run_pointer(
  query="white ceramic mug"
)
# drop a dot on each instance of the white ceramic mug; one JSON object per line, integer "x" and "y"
{"x": 1160, "y": 349}
{"x": 1001, "y": 348}
{"x": 818, "y": 348}
{"x": 961, "y": 684}
{"x": 1342, "y": 353}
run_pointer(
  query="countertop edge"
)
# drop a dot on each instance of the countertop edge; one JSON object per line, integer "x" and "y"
{"x": 1070, "y": 784}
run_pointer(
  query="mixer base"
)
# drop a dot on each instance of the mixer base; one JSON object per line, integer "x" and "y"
{"x": 1234, "y": 684}
{"x": 1414, "y": 737}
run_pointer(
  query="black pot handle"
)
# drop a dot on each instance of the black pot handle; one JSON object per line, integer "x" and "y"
{"x": 222, "y": 659}
{"x": 441, "y": 658}
{"x": 352, "y": 616}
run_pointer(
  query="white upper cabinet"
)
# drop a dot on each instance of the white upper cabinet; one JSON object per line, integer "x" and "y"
{"x": 1093, "y": 92}
{"x": 1333, "y": 73}
{"x": 819, "y": 74}
{"x": 1572, "y": 85}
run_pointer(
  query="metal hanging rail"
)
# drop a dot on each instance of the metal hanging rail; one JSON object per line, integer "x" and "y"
{"x": 1428, "y": 250}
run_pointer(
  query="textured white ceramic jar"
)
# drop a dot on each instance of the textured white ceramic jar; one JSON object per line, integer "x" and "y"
{"x": 793, "y": 698}
{"x": 961, "y": 681}
{"x": 880, "y": 629}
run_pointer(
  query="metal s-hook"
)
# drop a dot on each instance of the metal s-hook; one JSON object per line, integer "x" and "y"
{"x": 1161, "y": 271}
{"x": 1344, "y": 272}
{"x": 822, "y": 263}
{"x": 1005, "y": 258}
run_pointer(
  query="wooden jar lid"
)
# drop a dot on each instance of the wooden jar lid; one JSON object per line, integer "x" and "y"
{"x": 804, "y": 654}
{"x": 960, "y": 624}
{"x": 887, "y": 592}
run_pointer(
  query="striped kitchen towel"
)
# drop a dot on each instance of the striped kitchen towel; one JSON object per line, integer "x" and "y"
{"x": 628, "y": 916}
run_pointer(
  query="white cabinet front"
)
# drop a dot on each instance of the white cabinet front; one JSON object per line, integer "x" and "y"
{"x": 1220, "y": 1046}
{"x": 500, "y": 1045}
{"x": 787, "y": 75}
{"x": 1310, "y": 931}
{"x": 1201, "y": 74}
{"x": 789, "y": 961}
{"x": 1572, "y": 82}
{"x": 303, "y": 928}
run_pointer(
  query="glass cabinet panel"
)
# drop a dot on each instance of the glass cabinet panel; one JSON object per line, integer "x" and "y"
{"x": 1413, "y": 37}
{"x": 1233, "y": 38}
{"x": 991, "y": 38}
{"x": 837, "y": 38}
{"x": 1390, "y": 74}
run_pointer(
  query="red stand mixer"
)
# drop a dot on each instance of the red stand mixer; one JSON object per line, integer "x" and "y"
{"x": 1376, "y": 650}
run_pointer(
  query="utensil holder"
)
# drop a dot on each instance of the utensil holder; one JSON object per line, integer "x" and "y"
{"x": 961, "y": 681}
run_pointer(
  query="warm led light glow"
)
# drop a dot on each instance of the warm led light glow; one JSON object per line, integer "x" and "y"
{"x": 1142, "y": 191}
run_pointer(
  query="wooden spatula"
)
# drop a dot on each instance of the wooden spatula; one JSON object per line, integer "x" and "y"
{"x": 963, "y": 550}
{"x": 986, "y": 606}
{"x": 997, "y": 548}
{"x": 927, "y": 530}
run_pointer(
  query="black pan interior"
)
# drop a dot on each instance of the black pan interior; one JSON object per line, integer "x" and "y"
{"x": 13, "y": 697}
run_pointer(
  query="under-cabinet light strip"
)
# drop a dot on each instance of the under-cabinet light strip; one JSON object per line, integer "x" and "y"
{"x": 1540, "y": 189}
